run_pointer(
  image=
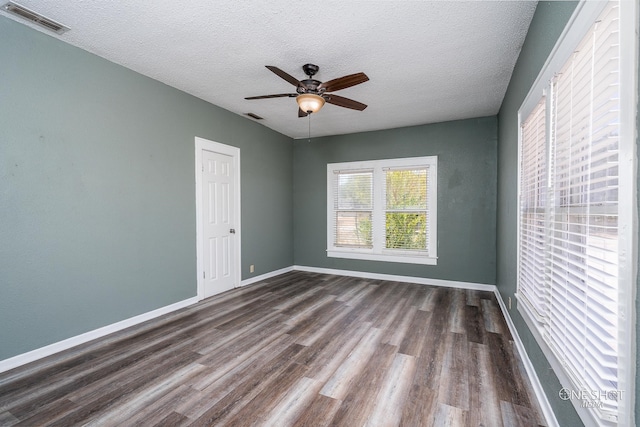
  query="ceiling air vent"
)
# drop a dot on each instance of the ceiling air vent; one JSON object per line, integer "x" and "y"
{"x": 255, "y": 116}
{"x": 36, "y": 18}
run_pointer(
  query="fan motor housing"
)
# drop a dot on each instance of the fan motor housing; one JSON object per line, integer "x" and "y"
{"x": 310, "y": 69}
{"x": 310, "y": 85}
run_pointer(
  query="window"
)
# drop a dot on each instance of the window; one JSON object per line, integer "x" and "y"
{"x": 576, "y": 207}
{"x": 383, "y": 210}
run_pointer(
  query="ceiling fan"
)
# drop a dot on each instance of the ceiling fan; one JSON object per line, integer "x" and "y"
{"x": 311, "y": 94}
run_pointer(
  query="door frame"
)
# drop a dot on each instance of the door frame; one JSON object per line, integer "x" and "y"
{"x": 201, "y": 145}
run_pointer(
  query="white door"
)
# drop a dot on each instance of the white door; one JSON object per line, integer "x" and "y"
{"x": 217, "y": 217}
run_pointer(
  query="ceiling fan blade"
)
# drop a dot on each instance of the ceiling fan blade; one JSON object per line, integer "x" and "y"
{"x": 343, "y": 82}
{"x": 302, "y": 113}
{"x": 278, "y": 95}
{"x": 284, "y": 75}
{"x": 341, "y": 101}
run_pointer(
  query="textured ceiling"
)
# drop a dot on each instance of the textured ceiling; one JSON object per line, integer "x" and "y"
{"x": 428, "y": 61}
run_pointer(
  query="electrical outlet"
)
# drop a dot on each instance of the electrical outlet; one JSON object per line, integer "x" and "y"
{"x": 252, "y": 268}
{"x": 509, "y": 303}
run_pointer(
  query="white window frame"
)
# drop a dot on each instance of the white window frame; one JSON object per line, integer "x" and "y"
{"x": 583, "y": 18}
{"x": 378, "y": 252}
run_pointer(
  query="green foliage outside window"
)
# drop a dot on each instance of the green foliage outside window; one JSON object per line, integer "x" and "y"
{"x": 406, "y": 218}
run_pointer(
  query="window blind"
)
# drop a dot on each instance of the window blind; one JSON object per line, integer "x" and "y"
{"x": 533, "y": 197}
{"x": 353, "y": 209}
{"x": 583, "y": 253}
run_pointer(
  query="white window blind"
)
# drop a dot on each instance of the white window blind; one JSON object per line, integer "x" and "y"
{"x": 383, "y": 210}
{"x": 573, "y": 257}
{"x": 353, "y": 209}
{"x": 583, "y": 252}
{"x": 533, "y": 197}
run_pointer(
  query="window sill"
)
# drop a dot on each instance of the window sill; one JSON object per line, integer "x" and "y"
{"x": 407, "y": 259}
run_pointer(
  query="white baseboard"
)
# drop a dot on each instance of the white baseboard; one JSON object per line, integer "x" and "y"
{"x": 265, "y": 276}
{"x": 392, "y": 277}
{"x": 528, "y": 366}
{"x": 39, "y": 353}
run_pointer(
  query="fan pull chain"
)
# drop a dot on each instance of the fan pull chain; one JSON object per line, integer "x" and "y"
{"x": 309, "y": 116}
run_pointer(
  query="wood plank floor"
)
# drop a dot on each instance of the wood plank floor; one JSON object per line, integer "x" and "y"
{"x": 300, "y": 349}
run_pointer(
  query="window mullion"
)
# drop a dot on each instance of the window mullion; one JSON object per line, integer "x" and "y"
{"x": 379, "y": 200}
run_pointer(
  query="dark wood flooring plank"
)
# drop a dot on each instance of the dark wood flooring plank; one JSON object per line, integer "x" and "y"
{"x": 173, "y": 420}
{"x": 420, "y": 406}
{"x": 371, "y": 303}
{"x": 345, "y": 375}
{"x": 6, "y": 419}
{"x": 147, "y": 396}
{"x": 312, "y": 328}
{"x": 383, "y": 300}
{"x": 517, "y": 416}
{"x": 298, "y": 297}
{"x": 307, "y": 307}
{"x": 387, "y": 409}
{"x": 32, "y": 402}
{"x": 387, "y": 309}
{"x": 421, "y": 296}
{"x": 325, "y": 355}
{"x": 319, "y": 413}
{"x": 484, "y": 405}
{"x": 268, "y": 398}
{"x": 361, "y": 295}
{"x": 216, "y": 385}
{"x": 155, "y": 412}
{"x": 474, "y": 324}
{"x": 454, "y": 384}
{"x": 399, "y": 328}
{"x": 416, "y": 335}
{"x": 242, "y": 341}
{"x": 292, "y": 404}
{"x": 349, "y": 290}
{"x": 45, "y": 414}
{"x": 510, "y": 385}
{"x": 54, "y": 379}
{"x": 450, "y": 416}
{"x": 171, "y": 351}
{"x": 472, "y": 298}
{"x": 361, "y": 396}
{"x": 118, "y": 393}
{"x": 431, "y": 358}
{"x": 385, "y": 321}
{"x": 430, "y": 300}
{"x": 492, "y": 315}
{"x": 456, "y": 309}
{"x": 242, "y": 394}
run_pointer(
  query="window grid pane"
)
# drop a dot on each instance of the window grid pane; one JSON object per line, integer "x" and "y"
{"x": 353, "y": 209}
{"x": 406, "y": 215}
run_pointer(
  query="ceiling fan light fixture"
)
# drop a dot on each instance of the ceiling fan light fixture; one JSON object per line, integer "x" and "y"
{"x": 310, "y": 102}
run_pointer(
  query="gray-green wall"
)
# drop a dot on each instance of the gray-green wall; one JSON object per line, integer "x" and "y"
{"x": 548, "y": 22}
{"x": 97, "y": 191}
{"x": 466, "y": 153}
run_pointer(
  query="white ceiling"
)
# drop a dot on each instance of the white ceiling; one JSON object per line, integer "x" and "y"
{"x": 427, "y": 61}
